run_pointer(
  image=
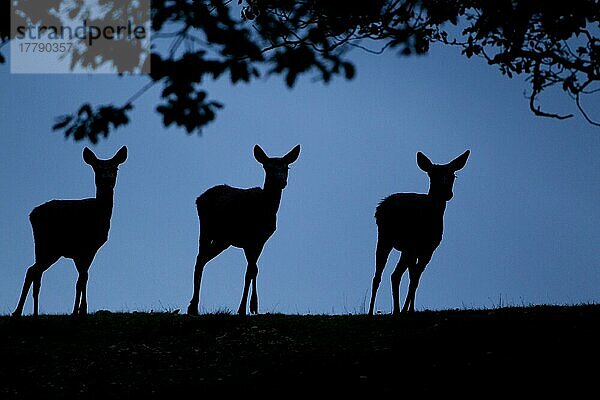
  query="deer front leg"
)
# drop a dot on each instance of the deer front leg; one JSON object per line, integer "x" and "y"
{"x": 415, "y": 275}
{"x": 252, "y": 254}
{"x": 251, "y": 272}
{"x": 80, "y": 296}
{"x": 83, "y": 266}
{"x": 404, "y": 262}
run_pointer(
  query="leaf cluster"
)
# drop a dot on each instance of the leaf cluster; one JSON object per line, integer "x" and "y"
{"x": 551, "y": 44}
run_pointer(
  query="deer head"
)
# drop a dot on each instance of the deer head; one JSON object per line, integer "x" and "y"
{"x": 276, "y": 168}
{"x": 105, "y": 171}
{"x": 441, "y": 177}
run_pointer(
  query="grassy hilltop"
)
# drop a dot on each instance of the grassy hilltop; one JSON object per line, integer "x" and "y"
{"x": 510, "y": 351}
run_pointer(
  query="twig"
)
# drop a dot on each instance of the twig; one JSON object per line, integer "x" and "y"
{"x": 588, "y": 119}
{"x": 137, "y": 94}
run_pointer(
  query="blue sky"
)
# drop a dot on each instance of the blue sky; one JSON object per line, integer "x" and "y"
{"x": 522, "y": 228}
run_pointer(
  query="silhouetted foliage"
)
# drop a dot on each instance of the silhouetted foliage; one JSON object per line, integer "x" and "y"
{"x": 4, "y": 27}
{"x": 551, "y": 44}
{"x": 121, "y": 52}
{"x": 89, "y": 123}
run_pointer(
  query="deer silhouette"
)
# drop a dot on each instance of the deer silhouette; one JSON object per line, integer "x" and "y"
{"x": 74, "y": 229}
{"x": 243, "y": 218}
{"x": 413, "y": 224}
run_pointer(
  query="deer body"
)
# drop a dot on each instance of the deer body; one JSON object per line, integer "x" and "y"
{"x": 413, "y": 224}
{"x": 243, "y": 218}
{"x": 74, "y": 229}
{"x": 421, "y": 219}
{"x": 85, "y": 233}
{"x": 239, "y": 217}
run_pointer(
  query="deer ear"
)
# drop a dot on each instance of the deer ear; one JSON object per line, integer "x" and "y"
{"x": 89, "y": 157}
{"x": 260, "y": 155}
{"x": 423, "y": 162}
{"x": 460, "y": 161}
{"x": 292, "y": 155}
{"x": 121, "y": 156}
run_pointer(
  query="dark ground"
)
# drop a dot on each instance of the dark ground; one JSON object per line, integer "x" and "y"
{"x": 509, "y": 352}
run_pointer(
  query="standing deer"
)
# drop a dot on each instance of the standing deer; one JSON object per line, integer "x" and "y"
{"x": 413, "y": 224}
{"x": 243, "y": 218}
{"x": 74, "y": 229}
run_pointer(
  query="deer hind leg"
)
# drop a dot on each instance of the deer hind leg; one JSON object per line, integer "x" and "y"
{"x": 406, "y": 260}
{"x": 37, "y": 284}
{"x": 83, "y": 266}
{"x": 381, "y": 256}
{"x": 33, "y": 276}
{"x": 254, "y": 296}
{"x": 415, "y": 272}
{"x": 252, "y": 255}
{"x": 207, "y": 250}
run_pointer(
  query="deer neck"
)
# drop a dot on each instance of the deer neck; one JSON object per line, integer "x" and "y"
{"x": 438, "y": 205}
{"x": 104, "y": 198}
{"x": 272, "y": 197}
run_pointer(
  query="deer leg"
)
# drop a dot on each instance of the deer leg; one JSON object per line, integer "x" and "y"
{"x": 80, "y": 307}
{"x": 206, "y": 252}
{"x": 198, "y": 269}
{"x": 403, "y": 263}
{"x": 254, "y": 296}
{"x": 77, "y": 298}
{"x": 250, "y": 277}
{"x": 82, "y": 282}
{"x": 415, "y": 274}
{"x": 33, "y": 273}
{"x": 83, "y": 266}
{"x": 37, "y": 283}
{"x": 251, "y": 272}
{"x": 26, "y": 285}
{"x": 381, "y": 256}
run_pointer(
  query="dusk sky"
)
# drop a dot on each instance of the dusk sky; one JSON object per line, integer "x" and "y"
{"x": 523, "y": 227}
